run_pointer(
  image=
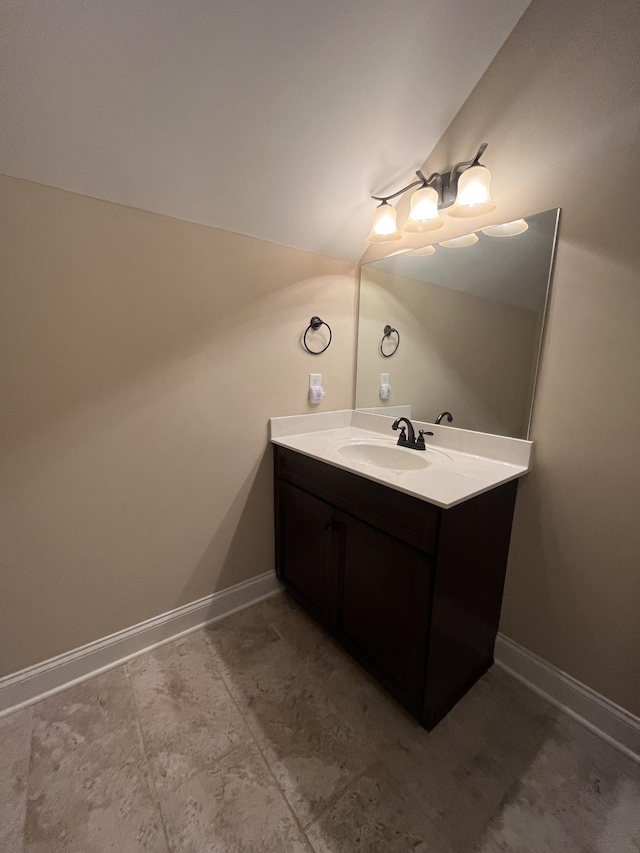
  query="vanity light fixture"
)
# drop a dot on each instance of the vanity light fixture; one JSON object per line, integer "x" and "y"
{"x": 424, "y": 214}
{"x": 463, "y": 192}
{"x": 507, "y": 229}
{"x": 384, "y": 228}
{"x": 474, "y": 195}
{"x": 460, "y": 242}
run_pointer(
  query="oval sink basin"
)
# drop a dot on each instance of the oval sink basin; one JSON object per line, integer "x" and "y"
{"x": 385, "y": 453}
{"x": 382, "y": 456}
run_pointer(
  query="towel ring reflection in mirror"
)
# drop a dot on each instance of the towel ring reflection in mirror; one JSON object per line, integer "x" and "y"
{"x": 314, "y": 324}
{"x": 388, "y": 331}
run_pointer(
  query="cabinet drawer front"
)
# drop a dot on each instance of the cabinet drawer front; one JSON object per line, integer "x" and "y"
{"x": 409, "y": 519}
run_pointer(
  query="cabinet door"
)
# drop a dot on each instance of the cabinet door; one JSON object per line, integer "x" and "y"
{"x": 384, "y": 605}
{"x": 306, "y": 537}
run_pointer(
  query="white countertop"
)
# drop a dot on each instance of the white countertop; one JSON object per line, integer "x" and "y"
{"x": 462, "y": 463}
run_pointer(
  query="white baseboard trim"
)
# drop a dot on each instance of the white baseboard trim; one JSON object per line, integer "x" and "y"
{"x": 597, "y": 713}
{"x": 36, "y": 682}
{"x": 606, "y": 719}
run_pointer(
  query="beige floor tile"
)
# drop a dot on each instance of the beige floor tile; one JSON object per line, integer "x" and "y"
{"x": 374, "y": 816}
{"x": 462, "y": 770}
{"x": 187, "y": 716}
{"x": 236, "y": 639}
{"x": 92, "y": 708}
{"x": 262, "y": 717}
{"x": 15, "y": 746}
{"x": 89, "y": 785}
{"x": 313, "y": 751}
{"x": 234, "y": 807}
{"x": 357, "y": 696}
{"x": 479, "y": 756}
{"x": 577, "y": 795}
{"x": 295, "y": 626}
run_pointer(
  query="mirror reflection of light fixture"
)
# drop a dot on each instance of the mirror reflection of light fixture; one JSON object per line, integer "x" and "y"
{"x": 395, "y": 252}
{"x": 463, "y": 192}
{"x": 384, "y": 226}
{"x": 507, "y": 229}
{"x": 422, "y": 252}
{"x": 460, "y": 242}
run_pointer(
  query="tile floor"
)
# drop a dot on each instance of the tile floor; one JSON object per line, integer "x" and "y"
{"x": 260, "y": 734}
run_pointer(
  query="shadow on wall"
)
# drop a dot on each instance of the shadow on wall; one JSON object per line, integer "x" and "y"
{"x": 231, "y": 554}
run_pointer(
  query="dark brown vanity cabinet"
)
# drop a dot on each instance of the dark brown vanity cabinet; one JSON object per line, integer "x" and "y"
{"x": 411, "y": 590}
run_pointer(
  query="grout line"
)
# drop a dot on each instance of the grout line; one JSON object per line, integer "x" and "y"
{"x": 222, "y": 755}
{"x": 223, "y": 676}
{"x": 152, "y": 779}
{"x": 306, "y": 669}
{"x": 266, "y": 763}
{"x": 338, "y": 795}
{"x": 401, "y": 782}
{"x": 340, "y": 792}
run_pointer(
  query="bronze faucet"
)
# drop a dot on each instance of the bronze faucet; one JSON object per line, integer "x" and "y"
{"x": 408, "y": 435}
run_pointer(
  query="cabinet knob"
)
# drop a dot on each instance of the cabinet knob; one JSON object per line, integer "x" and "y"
{"x": 331, "y": 525}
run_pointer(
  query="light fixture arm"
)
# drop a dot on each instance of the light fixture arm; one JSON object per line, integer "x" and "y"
{"x": 450, "y": 179}
{"x": 420, "y": 182}
{"x": 466, "y": 164}
{"x": 445, "y": 183}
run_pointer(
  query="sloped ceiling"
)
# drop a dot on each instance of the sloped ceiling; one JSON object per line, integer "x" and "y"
{"x": 275, "y": 119}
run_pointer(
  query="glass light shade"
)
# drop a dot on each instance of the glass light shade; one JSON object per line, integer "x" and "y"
{"x": 507, "y": 229}
{"x": 424, "y": 215}
{"x": 422, "y": 252}
{"x": 384, "y": 228}
{"x": 474, "y": 194}
{"x": 460, "y": 242}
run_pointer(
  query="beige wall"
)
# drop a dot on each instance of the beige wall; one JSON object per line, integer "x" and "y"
{"x": 560, "y": 108}
{"x": 141, "y": 357}
{"x": 472, "y": 356}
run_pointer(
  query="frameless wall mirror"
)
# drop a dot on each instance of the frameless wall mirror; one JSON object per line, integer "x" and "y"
{"x": 469, "y": 321}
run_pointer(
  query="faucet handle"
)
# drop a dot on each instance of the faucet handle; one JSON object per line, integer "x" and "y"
{"x": 402, "y": 438}
{"x": 420, "y": 439}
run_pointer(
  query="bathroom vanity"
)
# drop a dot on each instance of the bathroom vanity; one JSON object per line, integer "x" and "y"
{"x": 403, "y": 566}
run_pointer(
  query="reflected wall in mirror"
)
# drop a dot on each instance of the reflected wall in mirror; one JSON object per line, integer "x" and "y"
{"x": 470, "y": 321}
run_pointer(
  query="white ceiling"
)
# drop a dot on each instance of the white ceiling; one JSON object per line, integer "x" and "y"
{"x": 275, "y": 119}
